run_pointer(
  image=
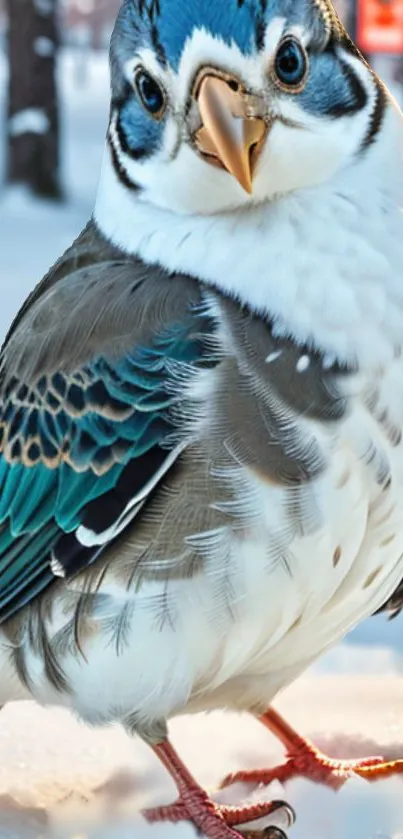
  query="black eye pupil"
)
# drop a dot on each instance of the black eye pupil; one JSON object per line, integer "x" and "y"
{"x": 150, "y": 92}
{"x": 290, "y": 65}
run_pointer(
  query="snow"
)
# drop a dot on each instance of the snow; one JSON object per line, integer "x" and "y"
{"x": 32, "y": 234}
{"x": 44, "y": 46}
{"x": 67, "y": 781}
{"x": 60, "y": 780}
{"x": 32, "y": 120}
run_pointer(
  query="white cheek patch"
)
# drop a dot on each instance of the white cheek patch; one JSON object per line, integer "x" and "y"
{"x": 172, "y": 139}
{"x": 310, "y": 159}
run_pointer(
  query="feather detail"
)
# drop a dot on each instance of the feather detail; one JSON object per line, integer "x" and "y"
{"x": 90, "y": 376}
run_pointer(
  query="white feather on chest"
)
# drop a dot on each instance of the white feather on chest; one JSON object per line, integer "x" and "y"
{"x": 324, "y": 262}
{"x": 297, "y": 594}
{"x": 246, "y": 628}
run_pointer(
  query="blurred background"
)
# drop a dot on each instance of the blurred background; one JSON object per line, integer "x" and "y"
{"x": 54, "y": 100}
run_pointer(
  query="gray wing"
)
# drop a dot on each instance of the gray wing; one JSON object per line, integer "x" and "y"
{"x": 91, "y": 375}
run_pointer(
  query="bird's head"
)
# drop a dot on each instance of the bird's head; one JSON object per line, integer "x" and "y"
{"x": 221, "y": 103}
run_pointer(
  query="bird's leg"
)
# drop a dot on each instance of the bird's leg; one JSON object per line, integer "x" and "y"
{"x": 216, "y": 821}
{"x": 304, "y": 760}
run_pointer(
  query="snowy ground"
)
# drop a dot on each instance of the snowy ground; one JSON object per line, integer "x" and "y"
{"x": 59, "y": 780}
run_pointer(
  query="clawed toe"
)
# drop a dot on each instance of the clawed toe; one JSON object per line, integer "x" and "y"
{"x": 314, "y": 766}
{"x": 216, "y": 821}
{"x": 219, "y": 821}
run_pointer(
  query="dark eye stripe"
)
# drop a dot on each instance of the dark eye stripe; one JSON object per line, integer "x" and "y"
{"x": 158, "y": 48}
{"x": 376, "y": 117}
{"x": 359, "y": 100}
{"x": 260, "y": 33}
{"x": 121, "y": 173}
{"x": 120, "y": 170}
{"x": 359, "y": 96}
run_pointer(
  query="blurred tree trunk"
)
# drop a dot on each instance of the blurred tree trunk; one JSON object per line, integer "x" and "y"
{"x": 33, "y": 115}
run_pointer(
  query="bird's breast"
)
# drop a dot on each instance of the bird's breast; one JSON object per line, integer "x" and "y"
{"x": 277, "y": 532}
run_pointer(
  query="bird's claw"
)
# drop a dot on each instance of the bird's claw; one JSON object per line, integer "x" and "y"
{"x": 218, "y": 821}
{"x": 316, "y": 767}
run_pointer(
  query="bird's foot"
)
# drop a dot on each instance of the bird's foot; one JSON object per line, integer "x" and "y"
{"x": 217, "y": 821}
{"x": 305, "y": 761}
{"x": 308, "y": 762}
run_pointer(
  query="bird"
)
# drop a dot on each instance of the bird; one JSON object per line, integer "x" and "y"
{"x": 201, "y": 408}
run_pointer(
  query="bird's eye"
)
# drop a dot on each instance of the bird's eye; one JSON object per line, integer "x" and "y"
{"x": 291, "y": 65}
{"x": 150, "y": 93}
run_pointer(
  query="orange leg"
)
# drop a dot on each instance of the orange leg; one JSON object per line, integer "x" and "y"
{"x": 214, "y": 820}
{"x": 304, "y": 760}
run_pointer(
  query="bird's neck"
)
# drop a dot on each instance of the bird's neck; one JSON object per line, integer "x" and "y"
{"x": 325, "y": 264}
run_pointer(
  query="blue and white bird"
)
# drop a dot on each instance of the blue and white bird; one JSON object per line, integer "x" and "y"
{"x": 201, "y": 475}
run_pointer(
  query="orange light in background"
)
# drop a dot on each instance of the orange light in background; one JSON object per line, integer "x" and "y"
{"x": 380, "y": 26}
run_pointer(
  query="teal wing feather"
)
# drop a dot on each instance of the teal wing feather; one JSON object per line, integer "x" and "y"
{"x": 84, "y": 444}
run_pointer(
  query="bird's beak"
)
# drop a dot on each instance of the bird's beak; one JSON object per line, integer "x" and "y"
{"x": 233, "y": 127}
